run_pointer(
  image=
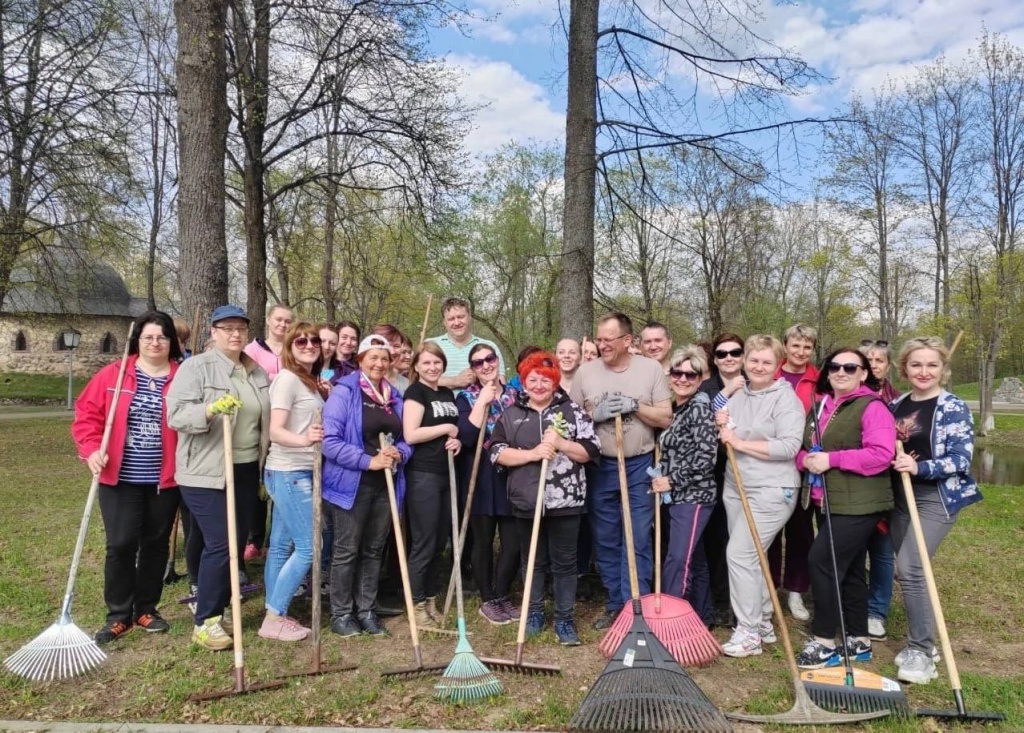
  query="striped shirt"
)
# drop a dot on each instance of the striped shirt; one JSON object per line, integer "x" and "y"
{"x": 143, "y": 452}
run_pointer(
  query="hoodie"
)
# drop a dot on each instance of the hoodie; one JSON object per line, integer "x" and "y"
{"x": 775, "y": 415}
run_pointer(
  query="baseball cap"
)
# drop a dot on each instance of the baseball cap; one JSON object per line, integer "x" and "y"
{"x": 228, "y": 311}
{"x": 373, "y": 341}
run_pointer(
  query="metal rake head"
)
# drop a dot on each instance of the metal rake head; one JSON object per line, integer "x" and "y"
{"x": 61, "y": 652}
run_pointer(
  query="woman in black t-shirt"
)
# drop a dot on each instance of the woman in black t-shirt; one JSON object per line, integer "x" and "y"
{"x": 430, "y": 426}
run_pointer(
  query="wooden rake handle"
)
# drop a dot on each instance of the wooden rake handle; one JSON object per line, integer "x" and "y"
{"x": 318, "y": 550}
{"x": 464, "y": 524}
{"x": 627, "y": 515}
{"x": 531, "y": 559}
{"x": 236, "y": 591}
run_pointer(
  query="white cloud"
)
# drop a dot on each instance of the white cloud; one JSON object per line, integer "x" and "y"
{"x": 512, "y": 106}
{"x": 504, "y": 22}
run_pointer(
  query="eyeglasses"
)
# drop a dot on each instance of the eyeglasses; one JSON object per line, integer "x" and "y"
{"x": 869, "y": 342}
{"x": 833, "y": 368}
{"x": 734, "y": 353}
{"x": 232, "y": 329}
{"x": 680, "y": 374}
{"x": 479, "y": 363}
{"x": 154, "y": 339}
{"x": 304, "y": 341}
{"x": 604, "y": 342}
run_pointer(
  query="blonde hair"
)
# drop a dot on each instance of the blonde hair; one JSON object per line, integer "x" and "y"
{"x": 762, "y": 341}
{"x": 692, "y": 353}
{"x": 925, "y": 342}
{"x": 801, "y": 331}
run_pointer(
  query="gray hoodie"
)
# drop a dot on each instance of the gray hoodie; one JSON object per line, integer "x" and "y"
{"x": 776, "y": 415}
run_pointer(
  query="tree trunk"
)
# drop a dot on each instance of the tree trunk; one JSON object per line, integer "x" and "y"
{"x": 576, "y": 302}
{"x": 202, "y": 130}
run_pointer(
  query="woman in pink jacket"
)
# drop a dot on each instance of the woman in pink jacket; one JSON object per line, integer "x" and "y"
{"x": 138, "y": 495}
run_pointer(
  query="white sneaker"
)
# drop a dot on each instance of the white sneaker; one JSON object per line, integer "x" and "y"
{"x": 744, "y": 643}
{"x": 876, "y": 628}
{"x": 797, "y": 607}
{"x": 767, "y": 632}
{"x": 917, "y": 668}
{"x": 901, "y": 656}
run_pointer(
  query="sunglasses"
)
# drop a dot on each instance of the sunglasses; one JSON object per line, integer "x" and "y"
{"x": 681, "y": 374}
{"x": 479, "y": 363}
{"x": 833, "y": 368}
{"x": 734, "y": 353}
{"x": 869, "y": 342}
{"x": 304, "y": 341}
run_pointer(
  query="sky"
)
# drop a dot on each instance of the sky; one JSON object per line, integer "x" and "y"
{"x": 512, "y": 62}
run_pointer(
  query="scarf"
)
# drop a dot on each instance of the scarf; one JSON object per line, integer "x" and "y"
{"x": 381, "y": 397}
{"x": 506, "y": 399}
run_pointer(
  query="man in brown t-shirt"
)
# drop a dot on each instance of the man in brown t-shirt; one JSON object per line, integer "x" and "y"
{"x": 620, "y": 383}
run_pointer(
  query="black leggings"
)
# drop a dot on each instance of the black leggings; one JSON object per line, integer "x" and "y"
{"x": 494, "y": 581}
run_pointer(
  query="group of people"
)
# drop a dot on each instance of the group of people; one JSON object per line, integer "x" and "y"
{"x": 803, "y": 439}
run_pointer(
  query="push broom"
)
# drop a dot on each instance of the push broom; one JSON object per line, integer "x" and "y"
{"x": 672, "y": 619}
{"x": 64, "y": 650}
{"x": 643, "y": 688}
{"x": 466, "y": 678}
{"x": 804, "y": 710}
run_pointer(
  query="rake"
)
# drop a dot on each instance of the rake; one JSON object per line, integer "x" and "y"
{"x": 643, "y": 688}
{"x": 466, "y": 678}
{"x": 464, "y": 527}
{"x": 518, "y": 665}
{"x": 804, "y": 710}
{"x": 64, "y": 650}
{"x": 672, "y": 619}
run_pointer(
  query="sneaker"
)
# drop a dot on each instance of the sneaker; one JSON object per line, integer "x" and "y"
{"x": 251, "y": 552}
{"x": 566, "y": 633}
{"x": 860, "y": 650}
{"x": 767, "y": 632}
{"x": 154, "y": 623}
{"x": 494, "y": 612}
{"x": 917, "y": 667}
{"x": 901, "y": 656}
{"x": 433, "y": 611}
{"x": 511, "y": 609}
{"x": 534, "y": 623}
{"x": 345, "y": 625}
{"x": 113, "y": 630}
{"x": 283, "y": 628}
{"x": 724, "y": 618}
{"x": 371, "y": 625}
{"x": 743, "y": 643}
{"x": 816, "y": 655}
{"x": 797, "y": 607}
{"x": 210, "y": 635}
{"x": 605, "y": 620}
{"x": 876, "y": 629}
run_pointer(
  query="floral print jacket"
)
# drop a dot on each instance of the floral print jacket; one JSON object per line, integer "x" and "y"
{"x": 952, "y": 439}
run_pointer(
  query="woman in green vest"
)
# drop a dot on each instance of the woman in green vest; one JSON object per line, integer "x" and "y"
{"x": 858, "y": 440}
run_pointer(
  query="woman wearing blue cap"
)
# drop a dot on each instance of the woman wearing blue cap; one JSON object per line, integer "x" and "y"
{"x": 194, "y": 402}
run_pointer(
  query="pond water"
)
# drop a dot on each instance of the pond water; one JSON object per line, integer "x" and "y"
{"x": 1002, "y": 465}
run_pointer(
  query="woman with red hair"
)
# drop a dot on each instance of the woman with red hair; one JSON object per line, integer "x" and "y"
{"x": 545, "y": 424}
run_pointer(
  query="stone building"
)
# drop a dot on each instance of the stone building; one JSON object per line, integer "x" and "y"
{"x": 64, "y": 292}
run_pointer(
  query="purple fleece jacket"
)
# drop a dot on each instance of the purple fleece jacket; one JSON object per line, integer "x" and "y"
{"x": 878, "y": 437}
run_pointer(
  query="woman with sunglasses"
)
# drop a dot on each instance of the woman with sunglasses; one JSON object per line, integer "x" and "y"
{"x": 429, "y": 425}
{"x": 295, "y": 397}
{"x": 937, "y": 431}
{"x": 881, "y": 558}
{"x": 480, "y": 406}
{"x": 858, "y": 439}
{"x": 138, "y": 492}
{"x": 689, "y": 447}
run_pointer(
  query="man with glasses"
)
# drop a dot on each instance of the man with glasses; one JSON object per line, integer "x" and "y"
{"x": 456, "y": 343}
{"x": 620, "y": 384}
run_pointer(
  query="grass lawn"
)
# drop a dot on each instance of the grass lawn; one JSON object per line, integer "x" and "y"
{"x": 148, "y": 678}
{"x": 38, "y": 388}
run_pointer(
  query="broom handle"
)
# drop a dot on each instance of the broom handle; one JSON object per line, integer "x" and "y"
{"x": 94, "y": 487}
{"x": 318, "y": 538}
{"x": 236, "y": 591}
{"x": 464, "y": 526}
{"x": 403, "y": 563}
{"x": 787, "y": 644}
{"x": 456, "y": 542}
{"x": 627, "y": 517}
{"x": 531, "y": 558}
{"x": 426, "y": 320}
{"x": 933, "y": 591}
{"x": 657, "y": 536}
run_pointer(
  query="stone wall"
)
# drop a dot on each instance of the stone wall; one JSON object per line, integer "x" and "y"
{"x": 41, "y": 335}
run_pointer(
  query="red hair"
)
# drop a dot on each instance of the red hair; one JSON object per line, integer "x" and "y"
{"x": 540, "y": 361}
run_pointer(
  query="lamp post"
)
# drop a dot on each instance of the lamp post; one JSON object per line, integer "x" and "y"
{"x": 72, "y": 338}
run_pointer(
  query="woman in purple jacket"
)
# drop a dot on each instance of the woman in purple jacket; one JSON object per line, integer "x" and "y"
{"x": 361, "y": 407}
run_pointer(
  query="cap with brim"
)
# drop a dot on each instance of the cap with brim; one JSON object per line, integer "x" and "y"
{"x": 225, "y": 312}
{"x": 373, "y": 341}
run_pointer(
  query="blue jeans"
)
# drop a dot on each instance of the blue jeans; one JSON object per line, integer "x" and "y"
{"x": 290, "y": 555}
{"x": 606, "y": 527}
{"x": 686, "y": 567}
{"x": 882, "y": 561}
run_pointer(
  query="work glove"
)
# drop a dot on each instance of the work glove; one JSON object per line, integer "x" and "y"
{"x": 226, "y": 405}
{"x": 613, "y": 404}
